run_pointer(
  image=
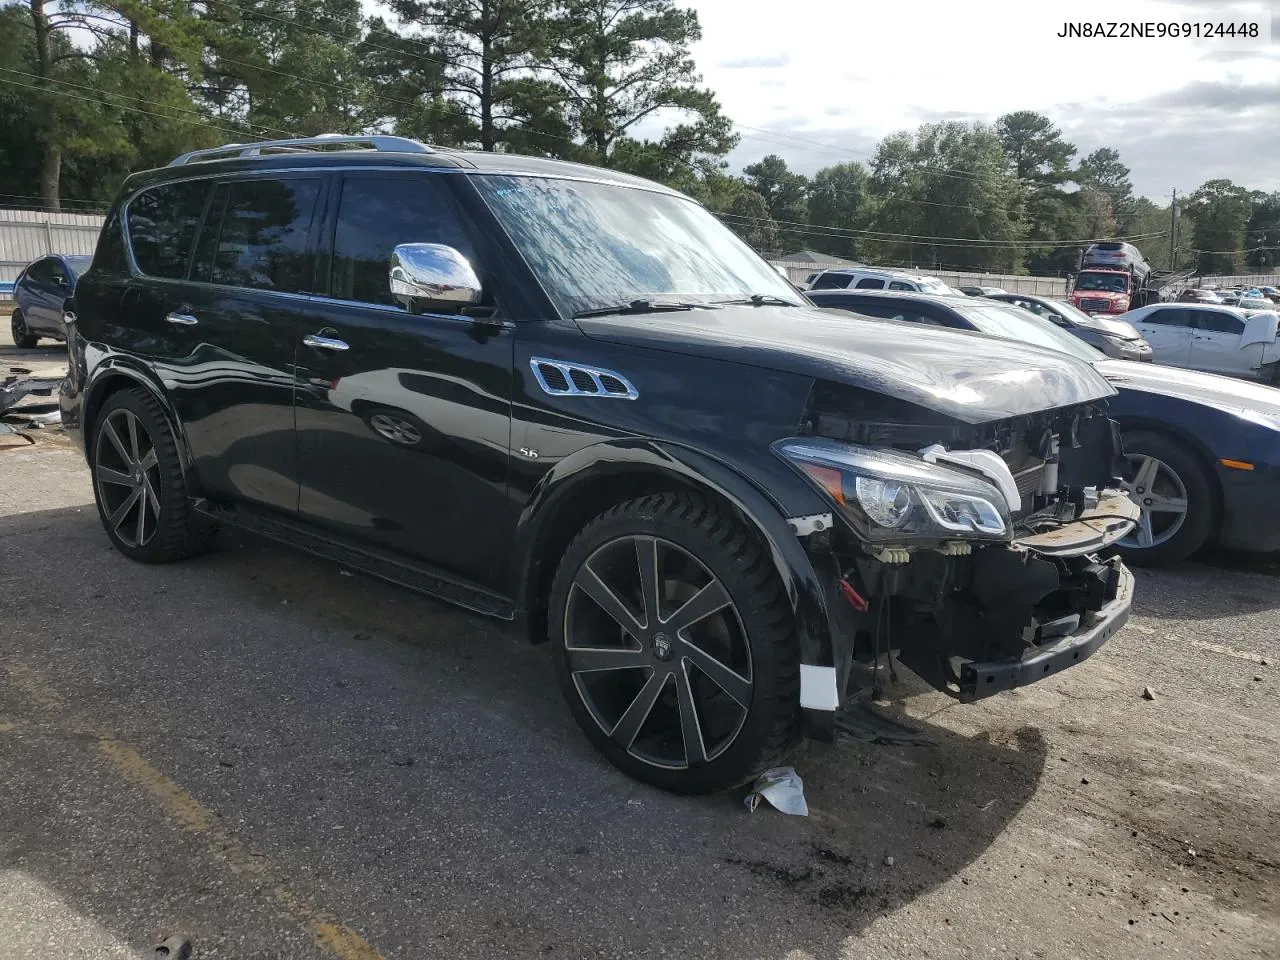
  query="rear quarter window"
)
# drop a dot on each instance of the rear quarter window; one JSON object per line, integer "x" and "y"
{"x": 162, "y": 223}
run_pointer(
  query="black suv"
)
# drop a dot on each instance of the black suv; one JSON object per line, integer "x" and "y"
{"x": 571, "y": 398}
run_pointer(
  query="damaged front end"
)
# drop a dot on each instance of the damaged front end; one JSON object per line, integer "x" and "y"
{"x": 970, "y": 552}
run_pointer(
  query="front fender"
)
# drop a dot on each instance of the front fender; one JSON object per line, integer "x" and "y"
{"x": 807, "y": 579}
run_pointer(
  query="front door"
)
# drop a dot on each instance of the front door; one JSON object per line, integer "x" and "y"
{"x": 1168, "y": 330}
{"x": 404, "y": 419}
{"x": 46, "y": 285}
{"x": 227, "y": 335}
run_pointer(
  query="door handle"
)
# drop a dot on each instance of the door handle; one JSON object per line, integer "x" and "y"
{"x": 324, "y": 343}
{"x": 182, "y": 319}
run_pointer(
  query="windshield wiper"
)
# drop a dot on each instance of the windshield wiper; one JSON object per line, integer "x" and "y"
{"x": 759, "y": 300}
{"x": 635, "y": 306}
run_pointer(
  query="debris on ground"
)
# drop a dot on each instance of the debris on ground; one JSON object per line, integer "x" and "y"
{"x": 888, "y": 861}
{"x": 1148, "y": 693}
{"x": 784, "y": 790}
{"x": 174, "y": 948}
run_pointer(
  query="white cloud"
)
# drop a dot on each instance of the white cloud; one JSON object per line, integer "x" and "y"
{"x": 858, "y": 71}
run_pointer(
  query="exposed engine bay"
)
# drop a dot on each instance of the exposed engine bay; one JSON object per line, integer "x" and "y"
{"x": 970, "y": 552}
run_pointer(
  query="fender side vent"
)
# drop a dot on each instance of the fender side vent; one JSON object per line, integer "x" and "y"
{"x": 561, "y": 379}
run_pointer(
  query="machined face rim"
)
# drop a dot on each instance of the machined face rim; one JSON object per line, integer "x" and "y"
{"x": 1161, "y": 495}
{"x": 396, "y": 429}
{"x": 657, "y": 652}
{"x": 127, "y": 473}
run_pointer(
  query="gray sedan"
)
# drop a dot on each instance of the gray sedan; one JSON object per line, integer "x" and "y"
{"x": 1116, "y": 338}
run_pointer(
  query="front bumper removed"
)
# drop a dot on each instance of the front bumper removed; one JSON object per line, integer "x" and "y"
{"x": 979, "y": 680}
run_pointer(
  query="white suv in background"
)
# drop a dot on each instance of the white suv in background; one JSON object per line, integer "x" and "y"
{"x": 869, "y": 278}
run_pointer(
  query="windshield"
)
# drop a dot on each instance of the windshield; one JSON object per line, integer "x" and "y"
{"x": 1249, "y": 303}
{"x": 1070, "y": 311}
{"x": 1111, "y": 282}
{"x": 929, "y": 285}
{"x": 77, "y": 265}
{"x": 1015, "y": 323}
{"x": 595, "y": 245}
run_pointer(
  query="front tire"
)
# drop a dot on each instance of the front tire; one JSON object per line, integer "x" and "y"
{"x": 1174, "y": 490}
{"x": 139, "y": 484}
{"x": 674, "y": 644}
{"x": 22, "y": 335}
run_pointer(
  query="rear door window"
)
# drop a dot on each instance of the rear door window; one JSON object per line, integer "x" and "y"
{"x": 1218, "y": 322}
{"x": 870, "y": 283}
{"x": 375, "y": 214}
{"x": 162, "y": 224}
{"x": 261, "y": 236}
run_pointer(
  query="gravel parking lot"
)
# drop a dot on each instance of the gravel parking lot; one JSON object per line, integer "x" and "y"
{"x": 277, "y": 759}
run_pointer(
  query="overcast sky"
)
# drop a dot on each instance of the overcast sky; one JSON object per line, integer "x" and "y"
{"x": 844, "y": 73}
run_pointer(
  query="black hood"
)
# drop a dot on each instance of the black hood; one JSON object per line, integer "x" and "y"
{"x": 967, "y": 376}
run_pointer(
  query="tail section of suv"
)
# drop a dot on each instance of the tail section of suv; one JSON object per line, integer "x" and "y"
{"x": 571, "y": 398}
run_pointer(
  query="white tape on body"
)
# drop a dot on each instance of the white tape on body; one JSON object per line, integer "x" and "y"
{"x": 818, "y": 687}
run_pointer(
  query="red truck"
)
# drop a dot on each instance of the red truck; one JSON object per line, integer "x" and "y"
{"x": 1107, "y": 292}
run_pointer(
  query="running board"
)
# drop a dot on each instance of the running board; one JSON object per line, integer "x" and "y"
{"x": 377, "y": 563}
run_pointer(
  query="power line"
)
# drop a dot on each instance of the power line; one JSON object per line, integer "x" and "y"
{"x": 120, "y": 106}
{"x": 952, "y": 172}
{"x": 854, "y": 233}
{"x": 156, "y": 103}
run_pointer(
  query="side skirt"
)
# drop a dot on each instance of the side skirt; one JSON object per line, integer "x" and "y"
{"x": 414, "y": 575}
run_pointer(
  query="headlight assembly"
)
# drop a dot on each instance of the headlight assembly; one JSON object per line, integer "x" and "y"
{"x": 891, "y": 496}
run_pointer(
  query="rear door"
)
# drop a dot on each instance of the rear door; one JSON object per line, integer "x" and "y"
{"x": 1169, "y": 331}
{"x": 404, "y": 419}
{"x": 230, "y": 333}
{"x": 1216, "y": 344}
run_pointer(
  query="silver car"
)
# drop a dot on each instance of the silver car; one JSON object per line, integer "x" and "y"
{"x": 1116, "y": 338}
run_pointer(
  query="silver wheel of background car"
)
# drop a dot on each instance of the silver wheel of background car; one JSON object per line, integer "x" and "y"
{"x": 127, "y": 471}
{"x": 1161, "y": 495}
{"x": 396, "y": 429}
{"x": 657, "y": 652}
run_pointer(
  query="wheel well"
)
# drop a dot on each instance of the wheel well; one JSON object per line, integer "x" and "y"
{"x": 589, "y": 499}
{"x": 113, "y": 384}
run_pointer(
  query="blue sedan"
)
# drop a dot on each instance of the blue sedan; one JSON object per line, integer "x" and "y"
{"x": 38, "y": 296}
{"x": 1203, "y": 451}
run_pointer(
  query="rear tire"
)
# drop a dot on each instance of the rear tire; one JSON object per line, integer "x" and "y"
{"x": 139, "y": 484}
{"x": 691, "y": 707}
{"x": 22, "y": 337}
{"x": 1174, "y": 473}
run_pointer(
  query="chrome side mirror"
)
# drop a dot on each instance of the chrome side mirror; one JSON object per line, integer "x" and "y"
{"x": 432, "y": 273}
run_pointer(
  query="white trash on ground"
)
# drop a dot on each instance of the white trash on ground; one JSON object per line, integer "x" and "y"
{"x": 784, "y": 790}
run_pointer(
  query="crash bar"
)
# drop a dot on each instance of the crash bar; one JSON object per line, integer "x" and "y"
{"x": 380, "y": 143}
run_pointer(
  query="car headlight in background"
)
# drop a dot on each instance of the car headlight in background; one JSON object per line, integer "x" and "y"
{"x": 888, "y": 495}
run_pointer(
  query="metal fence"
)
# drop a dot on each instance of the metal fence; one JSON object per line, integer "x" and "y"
{"x": 1252, "y": 280}
{"x": 27, "y": 235}
{"x": 800, "y": 271}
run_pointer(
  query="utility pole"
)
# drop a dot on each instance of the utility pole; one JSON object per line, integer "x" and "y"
{"x": 1173, "y": 229}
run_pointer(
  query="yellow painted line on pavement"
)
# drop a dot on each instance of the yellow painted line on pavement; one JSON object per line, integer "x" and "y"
{"x": 336, "y": 939}
{"x": 189, "y": 812}
{"x": 34, "y": 687}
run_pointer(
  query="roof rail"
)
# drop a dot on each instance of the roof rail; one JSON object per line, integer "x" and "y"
{"x": 379, "y": 143}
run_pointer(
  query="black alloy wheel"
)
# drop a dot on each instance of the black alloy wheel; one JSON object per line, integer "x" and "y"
{"x": 22, "y": 335}
{"x": 139, "y": 483}
{"x": 674, "y": 645}
{"x": 127, "y": 472}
